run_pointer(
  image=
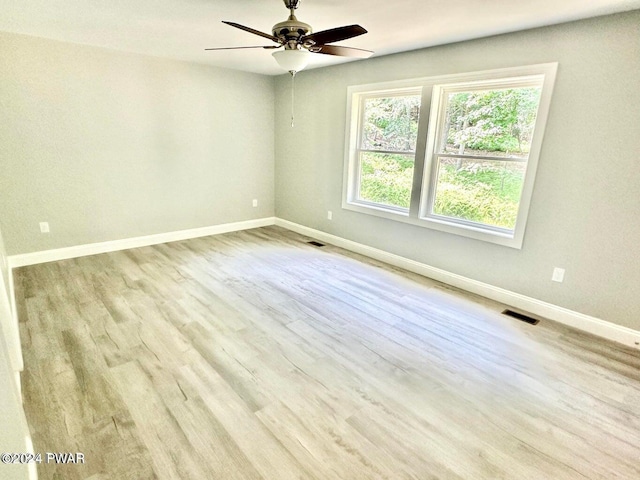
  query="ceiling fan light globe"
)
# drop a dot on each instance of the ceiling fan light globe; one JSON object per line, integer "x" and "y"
{"x": 292, "y": 60}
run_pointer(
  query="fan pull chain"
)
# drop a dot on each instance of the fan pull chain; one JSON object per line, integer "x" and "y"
{"x": 293, "y": 95}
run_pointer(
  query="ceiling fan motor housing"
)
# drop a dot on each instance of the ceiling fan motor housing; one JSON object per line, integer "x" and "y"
{"x": 291, "y": 31}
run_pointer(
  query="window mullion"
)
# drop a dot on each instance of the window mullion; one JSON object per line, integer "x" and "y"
{"x": 421, "y": 149}
{"x": 430, "y": 172}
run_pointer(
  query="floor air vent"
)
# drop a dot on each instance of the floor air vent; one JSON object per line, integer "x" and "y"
{"x": 316, "y": 244}
{"x": 522, "y": 317}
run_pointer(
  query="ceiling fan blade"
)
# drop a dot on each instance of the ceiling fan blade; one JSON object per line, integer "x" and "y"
{"x": 251, "y": 30}
{"x": 335, "y": 34}
{"x": 268, "y": 47}
{"x": 342, "y": 51}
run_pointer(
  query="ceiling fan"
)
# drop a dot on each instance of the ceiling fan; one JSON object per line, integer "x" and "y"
{"x": 298, "y": 40}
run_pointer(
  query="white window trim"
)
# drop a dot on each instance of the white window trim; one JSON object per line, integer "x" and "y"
{"x": 423, "y": 169}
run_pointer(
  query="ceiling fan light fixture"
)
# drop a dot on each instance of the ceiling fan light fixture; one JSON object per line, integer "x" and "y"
{"x": 292, "y": 60}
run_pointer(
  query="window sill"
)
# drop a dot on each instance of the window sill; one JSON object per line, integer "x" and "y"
{"x": 477, "y": 233}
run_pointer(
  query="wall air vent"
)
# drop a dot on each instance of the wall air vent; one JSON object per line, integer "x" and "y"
{"x": 521, "y": 316}
{"x": 316, "y": 244}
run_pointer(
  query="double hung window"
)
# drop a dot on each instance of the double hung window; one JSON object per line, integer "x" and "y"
{"x": 455, "y": 153}
{"x": 386, "y": 149}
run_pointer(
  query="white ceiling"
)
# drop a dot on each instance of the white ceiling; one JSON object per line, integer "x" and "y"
{"x": 181, "y": 29}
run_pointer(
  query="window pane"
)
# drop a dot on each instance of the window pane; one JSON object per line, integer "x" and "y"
{"x": 486, "y": 192}
{"x": 391, "y": 123}
{"x": 386, "y": 179}
{"x": 490, "y": 122}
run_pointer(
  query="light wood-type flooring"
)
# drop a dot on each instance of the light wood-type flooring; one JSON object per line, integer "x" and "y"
{"x": 253, "y": 355}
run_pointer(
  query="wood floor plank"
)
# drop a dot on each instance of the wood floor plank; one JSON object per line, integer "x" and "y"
{"x": 205, "y": 434}
{"x": 253, "y": 355}
{"x": 320, "y": 440}
{"x": 170, "y": 451}
{"x": 266, "y": 452}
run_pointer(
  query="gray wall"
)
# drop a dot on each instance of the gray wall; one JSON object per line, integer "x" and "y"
{"x": 585, "y": 212}
{"x": 106, "y": 145}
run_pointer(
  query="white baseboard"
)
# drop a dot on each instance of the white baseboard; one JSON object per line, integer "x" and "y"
{"x": 593, "y": 325}
{"x": 135, "y": 242}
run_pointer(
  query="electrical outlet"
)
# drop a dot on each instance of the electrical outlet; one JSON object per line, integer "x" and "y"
{"x": 558, "y": 275}
{"x": 44, "y": 227}
{"x": 329, "y": 215}
{"x": 255, "y": 202}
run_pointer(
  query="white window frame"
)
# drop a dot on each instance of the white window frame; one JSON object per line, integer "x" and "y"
{"x": 433, "y": 89}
